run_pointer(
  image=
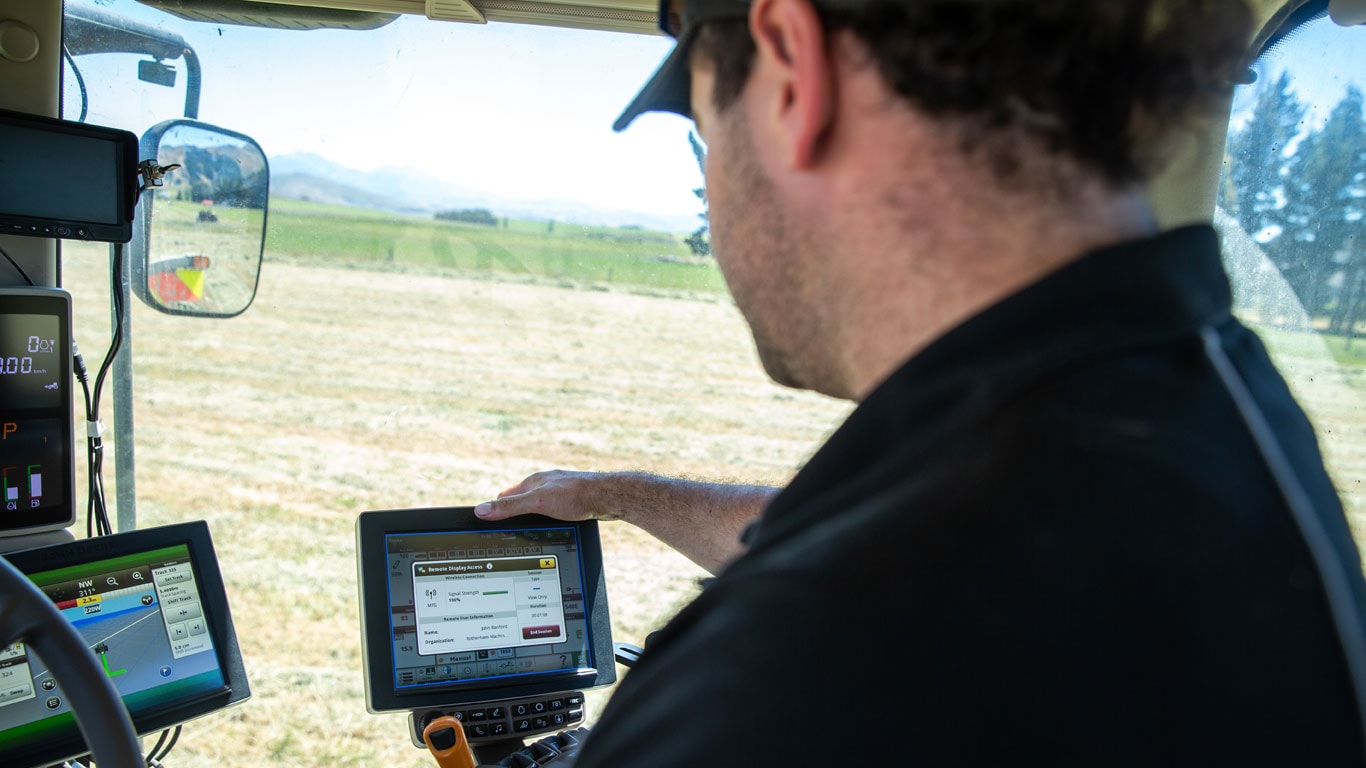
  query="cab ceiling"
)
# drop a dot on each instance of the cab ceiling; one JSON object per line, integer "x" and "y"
{"x": 612, "y": 15}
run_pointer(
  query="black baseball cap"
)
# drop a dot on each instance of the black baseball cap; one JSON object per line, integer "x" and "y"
{"x": 668, "y": 90}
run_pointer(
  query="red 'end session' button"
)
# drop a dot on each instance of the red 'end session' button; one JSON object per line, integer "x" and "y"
{"x": 536, "y": 633}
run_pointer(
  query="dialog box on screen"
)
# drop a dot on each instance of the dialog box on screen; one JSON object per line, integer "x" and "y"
{"x": 470, "y": 605}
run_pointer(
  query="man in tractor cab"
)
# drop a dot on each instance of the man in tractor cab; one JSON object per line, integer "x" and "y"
{"x": 1076, "y": 517}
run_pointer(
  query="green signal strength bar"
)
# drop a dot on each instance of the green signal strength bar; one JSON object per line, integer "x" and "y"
{"x": 501, "y": 592}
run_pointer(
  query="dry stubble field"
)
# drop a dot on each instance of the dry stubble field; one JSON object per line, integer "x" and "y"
{"x": 341, "y": 391}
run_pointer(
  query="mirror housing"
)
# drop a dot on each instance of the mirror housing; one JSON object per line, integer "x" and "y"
{"x": 198, "y": 241}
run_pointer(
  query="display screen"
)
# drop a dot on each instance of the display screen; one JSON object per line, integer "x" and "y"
{"x": 457, "y": 610}
{"x": 156, "y": 619}
{"x": 486, "y": 604}
{"x": 65, "y": 179}
{"x": 36, "y": 455}
{"x": 84, "y": 168}
{"x": 30, "y": 363}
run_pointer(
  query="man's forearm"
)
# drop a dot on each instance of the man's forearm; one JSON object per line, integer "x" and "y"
{"x": 700, "y": 519}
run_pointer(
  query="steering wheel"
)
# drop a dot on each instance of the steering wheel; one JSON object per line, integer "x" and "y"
{"x": 27, "y": 614}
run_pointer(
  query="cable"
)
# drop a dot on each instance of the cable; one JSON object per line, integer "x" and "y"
{"x": 16, "y": 266}
{"x": 97, "y": 510}
{"x": 155, "y": 759}
{"x": 80, "y": 82}
{"x": 152, "y": 753}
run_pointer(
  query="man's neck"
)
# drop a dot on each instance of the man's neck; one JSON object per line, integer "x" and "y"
{"x": 937, "y": 275}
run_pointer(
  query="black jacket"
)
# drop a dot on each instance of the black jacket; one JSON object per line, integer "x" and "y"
{"x": 1049, "y": 538}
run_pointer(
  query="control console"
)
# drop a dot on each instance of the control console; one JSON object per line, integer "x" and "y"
{"x": 498, "y": 625}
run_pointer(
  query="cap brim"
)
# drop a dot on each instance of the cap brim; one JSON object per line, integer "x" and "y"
{"x": 668, "y": 90}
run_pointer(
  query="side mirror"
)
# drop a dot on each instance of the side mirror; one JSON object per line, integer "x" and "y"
{"x": 199, "y": 237}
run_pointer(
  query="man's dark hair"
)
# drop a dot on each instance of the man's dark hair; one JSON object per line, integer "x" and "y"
{"x": 1101, "y": 82}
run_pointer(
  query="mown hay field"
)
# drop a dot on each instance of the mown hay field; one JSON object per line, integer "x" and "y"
{"x": 343, "y": 390}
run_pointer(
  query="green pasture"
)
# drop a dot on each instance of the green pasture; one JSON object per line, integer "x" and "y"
{"x": 303, "y": 232}
{"x": 1312, "y": 344}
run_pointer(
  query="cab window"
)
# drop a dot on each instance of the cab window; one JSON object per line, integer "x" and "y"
{"x": 468, "y": 278}
{"x": 1291, "y": 203}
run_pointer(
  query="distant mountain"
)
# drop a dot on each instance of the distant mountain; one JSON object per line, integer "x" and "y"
{"x": 319, "y": 189}
{"x": 306, "y": 176}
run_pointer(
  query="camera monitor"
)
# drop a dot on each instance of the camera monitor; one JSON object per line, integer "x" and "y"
{"x": 67, "y": 180}
{"x": 151, "y": 606}
{"x": 37, "y": 465}
{"x": 456, "y": 610}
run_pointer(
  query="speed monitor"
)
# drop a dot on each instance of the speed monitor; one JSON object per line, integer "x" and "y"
{"x": 37, "y": 467}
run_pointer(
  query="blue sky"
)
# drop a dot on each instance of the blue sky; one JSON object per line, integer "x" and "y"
{"x": 1325, "y": 59}
{"x": 514, "y": 109}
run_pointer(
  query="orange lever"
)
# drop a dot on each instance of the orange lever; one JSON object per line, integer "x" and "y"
{"x": 445, "y": 738}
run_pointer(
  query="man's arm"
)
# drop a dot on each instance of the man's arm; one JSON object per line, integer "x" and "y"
{"x": 701, "y": 520}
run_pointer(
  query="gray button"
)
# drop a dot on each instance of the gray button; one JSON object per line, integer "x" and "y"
{"x": 174, "y": 577}
{"x": 16, "y": 692}
{"x": 178, "y": 632}
{"x": 184, "y": 612}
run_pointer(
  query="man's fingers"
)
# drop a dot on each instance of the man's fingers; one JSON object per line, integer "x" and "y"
{"x": 488, "y": 511}
{"x": 553, "y": 493}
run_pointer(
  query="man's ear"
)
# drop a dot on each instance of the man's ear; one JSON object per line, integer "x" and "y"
{"x": 794, "y": 61}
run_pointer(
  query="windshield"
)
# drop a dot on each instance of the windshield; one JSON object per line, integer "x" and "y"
{"x": 468, "y": 278}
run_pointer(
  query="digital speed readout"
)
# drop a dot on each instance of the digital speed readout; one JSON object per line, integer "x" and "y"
{"x": 30, "y": 362}
{"x": 13, "y": 364}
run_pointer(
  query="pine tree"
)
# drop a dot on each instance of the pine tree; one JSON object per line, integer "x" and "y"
{"x": 699, "y": 242}
{"x": 1329, "y": 201}
{"x": 1257, "y": 156}
{"x": 1322, "y": 210}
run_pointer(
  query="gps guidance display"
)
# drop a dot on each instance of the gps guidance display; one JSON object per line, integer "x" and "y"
{"x": 142, "y": 615}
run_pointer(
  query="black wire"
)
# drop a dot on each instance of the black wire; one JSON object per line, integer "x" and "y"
{"x": 152, "y": 753}
{"x": 80, "y": 81}
{"x": 175, "y": 736}
{"x": 16, "y": 266}
{"x": 97, "y": 510}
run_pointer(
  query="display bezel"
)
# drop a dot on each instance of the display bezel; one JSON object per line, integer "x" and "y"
{"x": 121, "y": 183}
{"x": 218, "y": 619}
{"x": 382, "y": 694}
{"x": 51, "y": 302}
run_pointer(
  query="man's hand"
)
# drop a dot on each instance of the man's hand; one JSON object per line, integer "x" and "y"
{"x": 560, "y": 494}
{"x": 701, "y": 520}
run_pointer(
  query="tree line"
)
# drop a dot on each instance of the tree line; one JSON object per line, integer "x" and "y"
{"x": 1300, "y": 192}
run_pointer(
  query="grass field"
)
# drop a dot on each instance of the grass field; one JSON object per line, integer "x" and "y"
{"x": 472, "y": 357}
{"x": 345, "y": 389}
{"x": 310, "y": 233}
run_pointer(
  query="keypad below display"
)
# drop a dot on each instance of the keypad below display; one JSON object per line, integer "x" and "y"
{"x": 509, "y": 719}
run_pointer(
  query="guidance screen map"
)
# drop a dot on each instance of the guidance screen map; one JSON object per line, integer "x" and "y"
{"x": 142, "y": 615}
{"x": 480, "y": 605}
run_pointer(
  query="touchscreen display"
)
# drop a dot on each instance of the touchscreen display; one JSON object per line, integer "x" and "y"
{"x": 490, "y": 605}
{"x": 143, "y": 615}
